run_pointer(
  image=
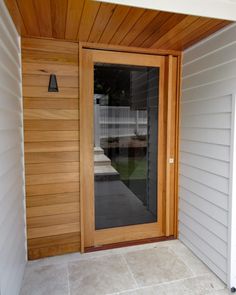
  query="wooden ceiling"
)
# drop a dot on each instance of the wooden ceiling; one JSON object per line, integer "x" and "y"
{"x": 90, "y": 21}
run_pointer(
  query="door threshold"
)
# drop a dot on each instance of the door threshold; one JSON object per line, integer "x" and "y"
{"x": 127, "y": 244}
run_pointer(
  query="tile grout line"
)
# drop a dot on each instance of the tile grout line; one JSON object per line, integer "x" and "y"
{"x": 129, "y": 269}
{"x": 186, "y": 264}
{"x": 159, "y": 285}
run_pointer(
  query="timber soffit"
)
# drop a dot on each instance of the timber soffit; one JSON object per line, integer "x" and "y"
{"x": 107, "y": 23}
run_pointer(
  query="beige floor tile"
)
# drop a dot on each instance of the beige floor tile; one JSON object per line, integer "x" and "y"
{"x": 220, "y": 292}
{"x": 197, "y": 267}
{"x": 100, "y": 276}
{"x": 159, "y": 269}
{"x": 141, "y": 291}
{"x": 157, "y": 265}
{"x": 45, "y": 280}
{"x": 200, "y": 285}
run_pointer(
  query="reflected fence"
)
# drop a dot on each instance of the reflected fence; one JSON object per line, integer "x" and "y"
{"x": 118, "y": 121}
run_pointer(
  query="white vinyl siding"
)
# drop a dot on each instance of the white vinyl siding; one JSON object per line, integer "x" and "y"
{"x": 207, "y": 107}
{"x": 12, "y": 223}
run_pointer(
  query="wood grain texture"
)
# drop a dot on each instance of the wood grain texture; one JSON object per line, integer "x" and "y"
{"x": 105, "y": 23}
{"x": 52, "y": 188}
{"x": 27, "y": 8}
{"x": 42, "y": 80}
{"x": 89, "y": 14}
{"x": 47, "y": 200}
{"x": 45, "y": 125}
{"x": 166, "y": 176}
{"x": 116, "y": 19}
{"x": 16, "y": 16}
{"x": 53, "y": 245}
{"x": 58, "y": 18}
{"x": 104, "y": 14}
{"x": 74, "y": 13}
{"x": 151, "y": 28}
{"x": 51, "y": 145}
{"x": 43, "y": 8}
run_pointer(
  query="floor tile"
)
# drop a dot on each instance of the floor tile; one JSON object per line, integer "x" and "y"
{"x": 197, "y": 267}
{"x": 141, "y": 291}
{"x": 100, "y": 276}
{"x": 163, "y": 268}
{"x": 154, "y": 266}
{"x": 45, "y": 280}
{"x": 220, "y": 292}
{"x": 193, "y": 286}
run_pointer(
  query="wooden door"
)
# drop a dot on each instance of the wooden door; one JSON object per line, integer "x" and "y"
{"x": 164, "y": 223}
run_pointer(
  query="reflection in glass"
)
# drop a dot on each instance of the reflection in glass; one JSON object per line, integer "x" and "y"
{"x": 125, "y": 145}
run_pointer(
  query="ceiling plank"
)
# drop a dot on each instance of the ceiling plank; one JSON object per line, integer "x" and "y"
{"x": 163, "y": 29}
{"x": 27, "y": 9}
{"x": 74, "y": 13}
{"x": 104, "y": 14}
{"x": 43, "y": 9}
{"x": 151, "y": 28}
{"x": 212, "y": 29}
{"x": 142, "y": 22}
{"x": 194, "y": 30}
{"x": 117, "y": 18}
{"x": 181, "y": 26}
{"x": 58, "y": 14}
{"x": 16, "y": 16}
{"x": 131, "y": 18}
{"x": 89, "y": 14}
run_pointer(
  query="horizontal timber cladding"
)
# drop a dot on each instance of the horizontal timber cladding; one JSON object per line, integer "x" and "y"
{"x": 51, "y": 136}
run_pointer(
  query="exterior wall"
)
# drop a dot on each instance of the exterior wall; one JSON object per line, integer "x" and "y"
{"x": 51, "y": 125}
{"x": 209, "y": 87}
{"x": 12, "y": 223}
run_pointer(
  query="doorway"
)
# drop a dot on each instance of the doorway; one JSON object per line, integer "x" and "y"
{"x": 128, "y": 124}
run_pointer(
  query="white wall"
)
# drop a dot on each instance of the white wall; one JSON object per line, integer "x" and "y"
{"x": 207, "y": 133}
{"x": 12, "y": 223}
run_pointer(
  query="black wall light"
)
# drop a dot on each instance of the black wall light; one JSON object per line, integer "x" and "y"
{"x": 53, "y": 87}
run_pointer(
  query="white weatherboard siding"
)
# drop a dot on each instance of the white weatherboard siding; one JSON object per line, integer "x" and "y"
{"x": 12, "y": 224}
{"x": 206, "y": 152}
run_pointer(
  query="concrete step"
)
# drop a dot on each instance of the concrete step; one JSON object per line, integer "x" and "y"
{"x": 101, "y": 160}
{"x": 98, "y": 151}
{"x": 105, "y": 170}
{"x": 105, "y": 173}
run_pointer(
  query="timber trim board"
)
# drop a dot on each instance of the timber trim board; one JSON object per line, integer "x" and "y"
{"x": 129, "y": 49}
{"x": 177, "y": 145}
{"x": 128, "y": 244}
{"x": 170, "y": 55}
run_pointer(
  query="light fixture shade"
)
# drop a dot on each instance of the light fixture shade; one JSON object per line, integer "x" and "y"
{"x": 53, "y": 87}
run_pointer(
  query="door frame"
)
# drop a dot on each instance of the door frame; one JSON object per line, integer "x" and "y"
{"x": 168, "y": 186}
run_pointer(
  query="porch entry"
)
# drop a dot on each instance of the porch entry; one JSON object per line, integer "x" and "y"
{"x": 125, "y": 114}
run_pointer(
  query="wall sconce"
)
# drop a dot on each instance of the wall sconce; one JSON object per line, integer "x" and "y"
{"x": 53, "y": 87}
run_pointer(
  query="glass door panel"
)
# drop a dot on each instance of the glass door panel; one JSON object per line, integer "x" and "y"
{"x": 125, "y": 145}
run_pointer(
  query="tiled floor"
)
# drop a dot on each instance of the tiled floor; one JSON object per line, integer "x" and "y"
{"x": 163, "y": 268}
